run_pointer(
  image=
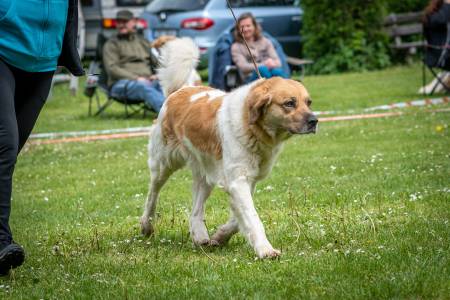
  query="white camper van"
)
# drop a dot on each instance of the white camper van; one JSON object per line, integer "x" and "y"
{"x": 99, "y": 16}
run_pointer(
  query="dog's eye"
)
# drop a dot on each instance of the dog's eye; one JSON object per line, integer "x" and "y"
{"x": 291, "y": 103}
{"x": 309, "y": 102}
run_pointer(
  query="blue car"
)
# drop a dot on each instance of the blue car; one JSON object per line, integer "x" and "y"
{"x": 205, "y": 20}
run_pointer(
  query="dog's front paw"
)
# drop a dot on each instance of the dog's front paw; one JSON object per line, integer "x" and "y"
{"x": 201, "y": 242}
{"x": 214, "y": 243}
{"x": 146, "y": 227}
{"x": 205, "y": 242}
{"x": 219, "y": 239}
{"x": 268, "y": 252}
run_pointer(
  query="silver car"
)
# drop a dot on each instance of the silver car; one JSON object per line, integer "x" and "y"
{"x": 205, "y": 20}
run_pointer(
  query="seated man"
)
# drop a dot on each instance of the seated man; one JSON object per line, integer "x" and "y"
{"x": 128, "y": 63}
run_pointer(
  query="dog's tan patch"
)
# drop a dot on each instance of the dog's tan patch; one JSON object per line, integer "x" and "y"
{"x": 194, "y": 120}
{"x": 162, "y": 40}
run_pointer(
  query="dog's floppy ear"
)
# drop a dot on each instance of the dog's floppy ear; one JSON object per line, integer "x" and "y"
{"x": 257, "y": 107}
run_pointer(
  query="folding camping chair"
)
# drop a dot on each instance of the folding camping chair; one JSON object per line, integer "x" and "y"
{"x": 437, "y": 59}
{"x": 98, "y": 78}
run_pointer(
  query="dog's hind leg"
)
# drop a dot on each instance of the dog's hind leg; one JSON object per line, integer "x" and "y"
{"x": 225, "y": 232}
{"x": 200, "y": 192}
{"x": 159, "y": 176}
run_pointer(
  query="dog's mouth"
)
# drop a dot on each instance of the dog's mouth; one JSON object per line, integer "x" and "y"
{"x": 308, "y": 128}
{"x": 310, "y": 125}
{"x": 304, "y": 131}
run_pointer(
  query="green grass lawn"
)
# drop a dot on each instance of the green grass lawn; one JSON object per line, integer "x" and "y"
{"x": 360, "y": 210}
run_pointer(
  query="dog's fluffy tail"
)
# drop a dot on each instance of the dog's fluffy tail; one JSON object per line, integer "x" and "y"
{"x": 178, "y": 61}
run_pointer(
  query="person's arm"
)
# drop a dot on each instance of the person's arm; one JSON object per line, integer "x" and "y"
{"x": 442, "y": 16}
{"x": 111, "y": 59}
{"x": 275, "y": 60}
{"x": 154, "y": 56}
{"x": 239, "y": 58}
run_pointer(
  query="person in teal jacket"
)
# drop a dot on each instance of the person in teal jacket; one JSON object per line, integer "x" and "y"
{"x": 35, "y": 38}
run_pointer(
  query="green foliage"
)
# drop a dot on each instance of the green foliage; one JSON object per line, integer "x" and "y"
{"x": 395, "y": 6}
{"x": 344, "y": 35}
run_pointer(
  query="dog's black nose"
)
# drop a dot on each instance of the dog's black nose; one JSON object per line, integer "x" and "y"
{"x": 312, "y": 121}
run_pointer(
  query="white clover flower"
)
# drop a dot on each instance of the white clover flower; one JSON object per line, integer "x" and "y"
{"x": 269, "y": 188}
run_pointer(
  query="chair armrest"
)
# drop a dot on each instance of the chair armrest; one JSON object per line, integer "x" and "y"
{"x": 230, "y": 68}
{"x": 232, "y": 77}
{"x": 298, "y": 61}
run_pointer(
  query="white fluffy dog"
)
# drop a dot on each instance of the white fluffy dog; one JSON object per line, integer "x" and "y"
{"x": 230, "y": 140}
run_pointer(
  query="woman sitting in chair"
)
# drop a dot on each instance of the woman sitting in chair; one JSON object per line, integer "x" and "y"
{"x": 436, "y": 21}
{"x": 262, "y": 49}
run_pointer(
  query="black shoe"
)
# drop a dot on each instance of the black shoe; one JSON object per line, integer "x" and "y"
{"x": 11, "y": 256}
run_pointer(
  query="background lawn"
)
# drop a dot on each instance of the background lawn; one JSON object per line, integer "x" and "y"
{"x": 329, "y": 92}
{"x": 360, "y": 210}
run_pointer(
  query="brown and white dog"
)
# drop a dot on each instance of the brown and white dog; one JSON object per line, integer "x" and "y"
{"x": 227, "y": 139}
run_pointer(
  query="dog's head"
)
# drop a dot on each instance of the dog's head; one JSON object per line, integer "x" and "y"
{"x": 281, "y": 106}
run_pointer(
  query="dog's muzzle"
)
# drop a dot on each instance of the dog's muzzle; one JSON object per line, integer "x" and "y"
{"x": 309, "y": 126}
{"x": 312, "y": 123}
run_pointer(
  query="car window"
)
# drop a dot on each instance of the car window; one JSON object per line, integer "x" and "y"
{"x": 253, "y": 3}
{"x": 175, "y": 5}
{"x": 132, "y": 2}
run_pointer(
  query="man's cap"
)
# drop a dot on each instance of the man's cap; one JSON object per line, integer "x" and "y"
{"x": 124, "y": 14}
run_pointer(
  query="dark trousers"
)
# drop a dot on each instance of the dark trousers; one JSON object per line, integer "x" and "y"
{"x": 22, "y": 95}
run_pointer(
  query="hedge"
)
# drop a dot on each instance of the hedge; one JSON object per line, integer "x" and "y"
{"x": 396, "y": 6}
{"x": 348, "y": 35}
{"x": 344, "y": 35}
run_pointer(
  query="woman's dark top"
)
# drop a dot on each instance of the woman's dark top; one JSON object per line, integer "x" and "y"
{"x": 435, "y": 30}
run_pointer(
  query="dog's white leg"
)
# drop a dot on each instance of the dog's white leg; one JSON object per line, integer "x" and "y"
{"x": 250, "y": 224}
{"x": 200, "y": 192}
{"x": 159, "y": 176}
{"x": 225, "y": 232}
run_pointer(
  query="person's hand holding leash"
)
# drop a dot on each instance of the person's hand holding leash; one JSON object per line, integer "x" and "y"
{"x": 270, "y": 63}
